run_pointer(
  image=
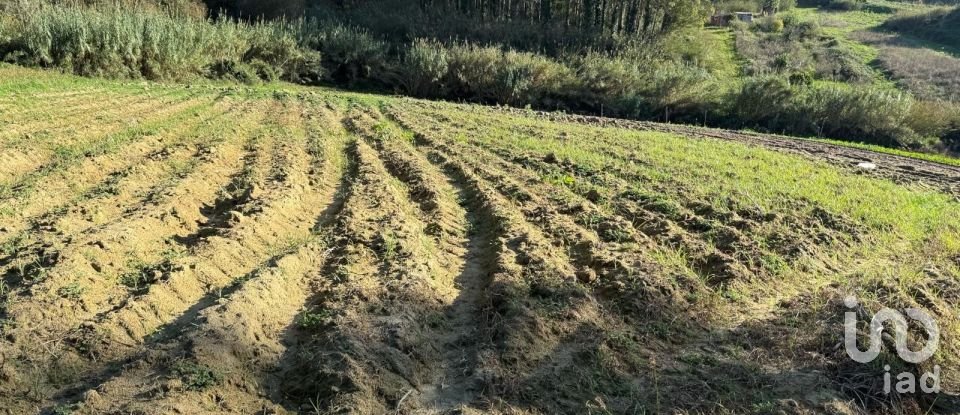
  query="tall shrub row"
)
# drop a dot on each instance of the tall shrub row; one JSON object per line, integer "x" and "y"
{"x": 112, "y": 42}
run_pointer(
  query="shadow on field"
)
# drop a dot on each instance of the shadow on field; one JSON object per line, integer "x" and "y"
{"x": 660, "y": 360}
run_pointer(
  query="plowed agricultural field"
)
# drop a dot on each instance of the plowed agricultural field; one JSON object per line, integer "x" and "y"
{"x": 213, "y": 249}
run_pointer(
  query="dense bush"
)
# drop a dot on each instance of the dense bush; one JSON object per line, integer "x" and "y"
{"x": 771, "y": 24}
{"x": 936, "y": 119}
{"x": 111, "y": 42}
{"x": 860, "y": 112}
{"x": 766, "y": 103}
{"x": 351, "y": 55}
{"x": 678, "y": 93}
{"x": 424, "y": 68}
{"x": 845, "y": 4}
{"x": 797, "y": 29}
{"x": 489, "y": 74}
{"x": 610, "y": 84}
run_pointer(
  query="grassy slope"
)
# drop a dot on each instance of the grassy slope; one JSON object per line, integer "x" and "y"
{"x": 720, "y": 42}
{"x": 842, "y": 25}
{"x": 939, "y": 34}
{"x": 737, "y": 257}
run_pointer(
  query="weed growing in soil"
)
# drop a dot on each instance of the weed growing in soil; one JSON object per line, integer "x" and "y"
{"x": 196, "y": 376}
{"x": 315, "y": 320}
{"x": 73, "y": 291}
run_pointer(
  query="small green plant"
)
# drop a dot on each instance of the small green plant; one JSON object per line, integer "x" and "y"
{"x": 389, "y": 245}
{"x": 11, "y": 246}
{"x": 71, "y": 291}
{"x": 133, "y": 280}
{"x": 560, "y": 179}
{"x": 196, "y": 376}
{"x": 313, "y": 320}
{"x": 382, "y": 131}
{"x": 142, "y": 274}
{"x": 616, "y": 234}
{"x": 31, "y": 269}
{"x": 591, "y": 220}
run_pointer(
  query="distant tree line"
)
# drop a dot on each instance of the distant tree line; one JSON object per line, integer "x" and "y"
{"x": 612, "y": 17}
{"x": 543, "y": 25}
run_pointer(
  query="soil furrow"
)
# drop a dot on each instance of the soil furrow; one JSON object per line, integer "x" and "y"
{"x": 282, "y": 218}
{"x": 70, "y": 120}
{"x": 557, "y": 213}
{"x": 142, "y": 232}
{"x": 126, "y": 190}
{"x": 682, "y": 229}
{"x": 508, "y": 330}
{"x": 448, "y": 382}
{"x": 246, "y": 186}
{"x": 40, "y": 316}
{"x": 456, "y": 381}
{"x": 242, "y": 335}
{"x": 18, "y": 167}
{"x": 122, "y": 193}
{"x": 67, "y": 207}
{"x": 382, "y": 261}
{"x": 718, "y": 252}
{"x": 531, "y": 342}
{"x": 61, "y": 188}
{"x": 385, "y": 321}
{"x": 44, "y": 124}
{"x": 426, "y": 190}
